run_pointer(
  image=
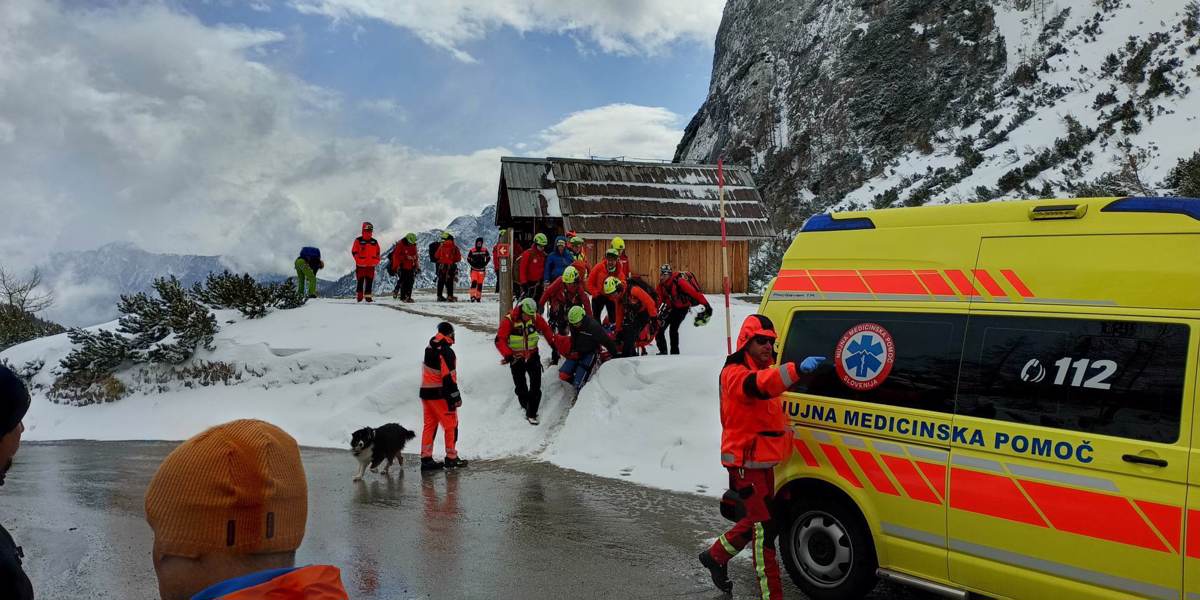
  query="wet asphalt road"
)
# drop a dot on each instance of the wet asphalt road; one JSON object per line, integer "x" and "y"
{"x": 501, "y": 529}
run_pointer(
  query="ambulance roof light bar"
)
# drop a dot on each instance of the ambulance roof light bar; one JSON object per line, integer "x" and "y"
{"x": 1178, "y": 206}
{"x": 826, "y": 222}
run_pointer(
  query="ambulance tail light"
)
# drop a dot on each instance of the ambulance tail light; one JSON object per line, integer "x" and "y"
{"x": 1178, "y": 206}
{"x": 826, "y": 222}
{"x": 1050, "y": 212}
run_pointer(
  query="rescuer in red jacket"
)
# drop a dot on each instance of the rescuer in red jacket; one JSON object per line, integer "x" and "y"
{"x": 754, "y": 438}
{"x": 448, "y": 256}
{"x": 405, "y": 263}
{"x": 517, "y": 340}
{"x": 559, "y": 297}
{"x": 678, "y": 296}
{"x": 532, "y": 267}
{"x": 609, "y": 267}
{"x": 366, "y": 257}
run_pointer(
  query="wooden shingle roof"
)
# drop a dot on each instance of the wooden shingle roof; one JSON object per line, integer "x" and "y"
{"x": 632, "y": 199}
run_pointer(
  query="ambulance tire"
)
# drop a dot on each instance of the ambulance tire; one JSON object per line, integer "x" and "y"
{"x": 827, "y": 549}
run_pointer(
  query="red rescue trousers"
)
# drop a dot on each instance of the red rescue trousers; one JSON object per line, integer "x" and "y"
{"x": 437, "y": 412}
{"x": 477, "y": 284}
{"x": 756, "y": 529}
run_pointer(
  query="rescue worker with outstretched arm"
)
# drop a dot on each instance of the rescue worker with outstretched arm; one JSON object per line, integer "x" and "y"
{"x": 678, "y": 296}
{"x": 754, "y": 438}
{"x": 566, "y": 291}
{"x": 580, "y": 349}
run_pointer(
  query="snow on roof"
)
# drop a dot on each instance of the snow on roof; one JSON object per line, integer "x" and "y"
{"x": 606, "y": 196}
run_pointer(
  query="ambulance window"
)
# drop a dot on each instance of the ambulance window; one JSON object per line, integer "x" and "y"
{"x": 1119, "y": 378}
{"x": 908, "y": 360}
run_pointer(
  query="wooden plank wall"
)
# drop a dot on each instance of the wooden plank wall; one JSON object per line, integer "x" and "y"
{"x": 700, "y": 257}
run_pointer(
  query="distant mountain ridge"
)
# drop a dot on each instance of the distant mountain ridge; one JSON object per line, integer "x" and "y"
{"x": 88, "y": 284}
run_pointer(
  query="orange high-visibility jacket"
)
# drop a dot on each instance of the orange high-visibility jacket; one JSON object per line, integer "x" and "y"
{"x": 754, "y": 428}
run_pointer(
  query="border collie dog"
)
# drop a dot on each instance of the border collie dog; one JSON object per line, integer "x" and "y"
{"x": 371, "y": 446}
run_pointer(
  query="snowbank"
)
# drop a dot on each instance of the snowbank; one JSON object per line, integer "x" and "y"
{"x": 333, "y": 366}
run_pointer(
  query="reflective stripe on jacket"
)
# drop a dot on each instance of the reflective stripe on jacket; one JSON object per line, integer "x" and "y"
{"x": 517, "y": 336}
{"x": 754, "y": 428}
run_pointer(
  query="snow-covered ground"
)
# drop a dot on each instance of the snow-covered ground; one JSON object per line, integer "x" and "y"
{"x": 326, "y": 369}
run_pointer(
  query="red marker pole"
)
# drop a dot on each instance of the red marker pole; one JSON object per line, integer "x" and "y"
{"x": 724, "y": 257}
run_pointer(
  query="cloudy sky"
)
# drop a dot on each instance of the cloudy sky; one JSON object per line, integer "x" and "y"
{"x": 248, "y": 128}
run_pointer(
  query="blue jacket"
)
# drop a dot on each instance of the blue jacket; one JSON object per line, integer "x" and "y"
{"x": 557, "y": 262}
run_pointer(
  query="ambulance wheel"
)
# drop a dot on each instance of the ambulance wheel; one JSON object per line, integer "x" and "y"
{"x": 827, "y": 549}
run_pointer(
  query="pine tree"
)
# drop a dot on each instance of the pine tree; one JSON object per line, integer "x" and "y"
{"x": 95, "y": 355}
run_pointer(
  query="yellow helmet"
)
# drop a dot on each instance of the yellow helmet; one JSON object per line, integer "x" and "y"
{"x": 610, "y": 285}
{"x": 570, "y": 275}
{"x": 618, "y": 244}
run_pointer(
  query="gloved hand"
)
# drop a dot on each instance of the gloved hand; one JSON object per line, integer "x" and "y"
{"x": 703, "y": 318}
{"x": 811, "y": 363}
{"x": 505, "y": 360}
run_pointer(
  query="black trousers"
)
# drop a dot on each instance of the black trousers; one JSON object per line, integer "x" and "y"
{"x": 675, "y": 316}
{"x": 527, "y": 379}
{"x": 404, "y": 283}
{"x": 628, "y": 336}
{"x": 446, "y": 275}
{"x": 364, "y": 286}
{"x": 599, "y": 303}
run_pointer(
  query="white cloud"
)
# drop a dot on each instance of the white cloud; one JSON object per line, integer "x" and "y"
{"x": 628, "y": 130}
{"x": 385, "y": 107}
{"x": 142, "y": 124}
{"x": 615, "y": 26}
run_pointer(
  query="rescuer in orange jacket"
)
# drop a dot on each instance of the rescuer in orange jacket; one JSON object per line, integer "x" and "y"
{"x": 609, "y": 267}
{"x": 517, "y": 341}
{"x": 366, "y": 257}
{"x": 440, "y": 398}
{"x": 754, "y": 438}
{"x": 635, "y": 311}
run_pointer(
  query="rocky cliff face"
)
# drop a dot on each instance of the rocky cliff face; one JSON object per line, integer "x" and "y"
{"x": 878, "y": 103}
{"x": 817, "y": 95}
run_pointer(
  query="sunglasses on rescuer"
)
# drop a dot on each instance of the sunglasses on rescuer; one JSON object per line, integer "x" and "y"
{"x": 762, "y": 339}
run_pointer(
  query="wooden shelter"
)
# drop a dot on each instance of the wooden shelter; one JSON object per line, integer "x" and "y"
{"x": 665, "y": 212}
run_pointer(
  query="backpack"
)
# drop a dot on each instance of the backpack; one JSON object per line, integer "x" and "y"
{"x": 391, "y": 264}
{"x": 433, "y": 248}
{"x": 309, "y": 252}
{"x": 690, "y": 277}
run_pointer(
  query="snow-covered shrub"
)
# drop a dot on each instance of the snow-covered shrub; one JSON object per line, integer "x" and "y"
{"x": 82, "y": 392}
{"x": 25, "y": 372}
{"x": 242, "y": 292}
{"x": 167, "y": 329}
{"x": 1191, "y": 18}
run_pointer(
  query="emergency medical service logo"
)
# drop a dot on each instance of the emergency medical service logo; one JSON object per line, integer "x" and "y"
{"x": 864, "y": 356}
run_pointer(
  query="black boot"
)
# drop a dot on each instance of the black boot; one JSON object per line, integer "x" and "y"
{"x": 428, "y": 464}
{"x": 719, "y": 573}
{"x": 455, "y": 463}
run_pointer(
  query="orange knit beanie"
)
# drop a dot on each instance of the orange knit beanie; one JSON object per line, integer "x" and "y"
{"x": 237, "y": 488}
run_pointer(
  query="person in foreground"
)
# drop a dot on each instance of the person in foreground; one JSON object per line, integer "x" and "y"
{"x": 228, "y": 510}
{"x": 754, "y": 438}
{"x": 14, "y": 403}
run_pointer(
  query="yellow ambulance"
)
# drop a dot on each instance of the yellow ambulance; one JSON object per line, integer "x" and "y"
{"x": 1005, "y": 408}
